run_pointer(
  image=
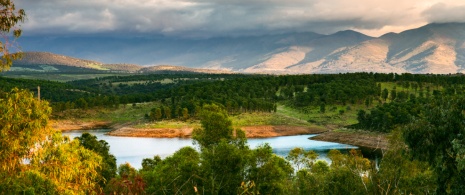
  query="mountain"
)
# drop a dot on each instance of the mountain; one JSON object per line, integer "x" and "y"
{"x": 45, "y": 62}
{"x": 49, "y": 62}
{"x": 434, "y": 48}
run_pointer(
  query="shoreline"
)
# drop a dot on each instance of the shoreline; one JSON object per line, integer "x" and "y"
{"x": 259, "y": 131}
{"x": 370, "y": 142}
{"x": 127, "y": 129}
{"x": 366, "y": 141}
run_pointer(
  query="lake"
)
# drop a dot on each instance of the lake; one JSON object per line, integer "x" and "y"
{"x": 134, "y": 149}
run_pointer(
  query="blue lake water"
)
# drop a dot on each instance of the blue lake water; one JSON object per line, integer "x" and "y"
{"x": 134, "y": 149}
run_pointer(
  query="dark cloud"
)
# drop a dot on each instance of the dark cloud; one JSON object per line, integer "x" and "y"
{"x": 204, "y": 18}
{"x": 442, "y": 12}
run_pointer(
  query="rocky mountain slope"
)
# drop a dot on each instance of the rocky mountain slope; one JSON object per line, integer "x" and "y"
{"x": 434, "y": 48}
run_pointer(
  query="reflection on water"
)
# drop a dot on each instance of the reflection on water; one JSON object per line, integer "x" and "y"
{"x": 134, "y": 149}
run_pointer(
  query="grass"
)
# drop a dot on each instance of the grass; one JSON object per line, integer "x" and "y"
{"x": 331, "y": 117}
{"x": 96, "y": 66}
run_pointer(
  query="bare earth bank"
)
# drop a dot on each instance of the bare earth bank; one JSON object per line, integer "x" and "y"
{"x": 70, "y": 125}
{"x": 361, "y": 139}
{"x": 261, "y": 131}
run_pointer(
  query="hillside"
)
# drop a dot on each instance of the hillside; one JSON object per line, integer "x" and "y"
{"x": 434, "y": 48}
{"x": 46, "y": 58}
{"x": 45, "y": 62}
{"x": 50, "y": 62}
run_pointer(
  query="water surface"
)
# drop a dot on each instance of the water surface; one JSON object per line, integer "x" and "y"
{"x": 134, "y": 149}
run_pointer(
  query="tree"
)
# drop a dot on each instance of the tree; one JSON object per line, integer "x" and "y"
{"x": 107, "y": 169}
{"x": 385, "y": 94}
{"x": 301, "y": 158}
{"x": 32, "y": 151}
{"x": 69, "y": 166}
{"x": 223, "y": 155}
{"x": 177, "y": 174}
{"x": 9, "y": 18}
{"x": 167, "y": 112}
{"x": 436, "y": 138}
{"x": 398, "y": 174}
{"x": 393, "y": 94}
{"x": 215, "y": 126}
{"x": 128, "y": 181}
{"x": 270, "y": 173}
{"x": 185, "y": 114}
{"x": 23, "y": 124}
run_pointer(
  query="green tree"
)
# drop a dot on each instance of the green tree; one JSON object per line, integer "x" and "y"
{"x": 177, "y": 174}
{"x": 385, "y": 94}
{"x": 108, "y": 167}
{"x": 398, "y": 174}
{"x": 301, "y": 158}
{"x": 32, "y": 151}
{"x": 69, "y": 166}
{"x": 223, "y": 155}
{"x": 23, "y": 124}
{"x": 270, "y": 173}
{"x": 167, "y": 113}
{"x": 436, "y": 138}
{"x": 185, "y": 113}
{"x": 393, "y": 94}
{"x": 9, "y": 19}
{"x": 215, "y": 126}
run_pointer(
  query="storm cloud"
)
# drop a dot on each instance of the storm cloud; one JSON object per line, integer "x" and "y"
{"x": 206, "y": 18}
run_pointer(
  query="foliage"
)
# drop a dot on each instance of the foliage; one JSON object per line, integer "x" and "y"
{"x": 177, "y": 174}
{"x": 23, "y": 124}
{"x": 269, "y": 173}
{"x": 68, "y": 165}
{"x": 127, "y": 181}
{"x": 9, "y": 19}
{"x": 107, "y": 170}
{"x": 398, "y": 174}
{"x": 215, "y": 126}
{"x": 35, "y": 158}
{"x": 436, "y": 137}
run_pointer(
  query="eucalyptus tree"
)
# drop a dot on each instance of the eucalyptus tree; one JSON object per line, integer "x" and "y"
{"x": 9, "y": 19}
{"x": 35, "y": 158}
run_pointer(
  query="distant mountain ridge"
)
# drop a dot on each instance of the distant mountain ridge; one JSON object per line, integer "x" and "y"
{"x": 49, "y": 62}
{"x": 433, "y": 48}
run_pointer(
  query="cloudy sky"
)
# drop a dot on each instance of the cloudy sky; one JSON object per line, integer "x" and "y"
{"x": 207, "y": 18}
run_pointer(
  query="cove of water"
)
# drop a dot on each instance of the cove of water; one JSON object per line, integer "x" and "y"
{"x": 134, "y": 149}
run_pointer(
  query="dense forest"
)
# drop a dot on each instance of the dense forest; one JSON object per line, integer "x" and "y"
{"x": 422, "y": 113}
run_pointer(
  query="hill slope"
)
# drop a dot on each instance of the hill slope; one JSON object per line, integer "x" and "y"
{"x": 45, "y": 62}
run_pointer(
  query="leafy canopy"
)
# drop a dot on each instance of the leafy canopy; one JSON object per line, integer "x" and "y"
{"x": 9, "y": 19}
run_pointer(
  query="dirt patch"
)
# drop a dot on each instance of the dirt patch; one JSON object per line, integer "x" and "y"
{"x": 251, "y": 131}
{"x": 156, "y": 132}
{"x": 361, "y": 139}
{"x": 263, "y": 131}
{"x": 69, "y": 125}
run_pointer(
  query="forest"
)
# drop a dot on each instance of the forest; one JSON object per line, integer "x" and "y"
{"x": 422, "y": 114}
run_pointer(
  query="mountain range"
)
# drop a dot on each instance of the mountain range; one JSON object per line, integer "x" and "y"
{"x": 433, "y": 48}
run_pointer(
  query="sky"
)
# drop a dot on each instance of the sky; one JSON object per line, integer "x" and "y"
{"x": 211, "y": 18}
